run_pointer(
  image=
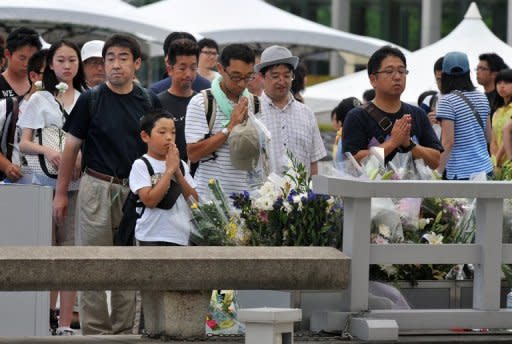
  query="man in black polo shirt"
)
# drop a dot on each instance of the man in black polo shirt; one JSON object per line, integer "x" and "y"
{"x": 106, "y": 120}
{"x": 387, "y": 122}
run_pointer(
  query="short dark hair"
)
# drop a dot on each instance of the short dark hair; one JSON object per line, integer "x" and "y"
{"x": 147, "y": 122}
{"x": 236, "y": 51}
{"x": 299, "y": 81}
{"x": 125, "y": 41}
{"x": 375, "y": 61}
{"x": 174, "y": 36}
{"x": 494, "y": 61}
{"x": 182, "y": 47}
{"x": 368, "y": 95}
{"x": 209, "y": 43}
{"x": 438, "y": 65}
{"x": 424, "y": 95}
{"x": 49, "y": 77}
{"x": 456, "y": 82}
{"x": 21, "y": 37}
{"x": 503, "y": 75}
{"x": 344, "y": 107}
{"x": 36, "y": 62}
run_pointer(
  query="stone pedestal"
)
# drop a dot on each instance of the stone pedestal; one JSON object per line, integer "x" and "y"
{"x": 175, "y": 313}
{"x": 269, "y": 325}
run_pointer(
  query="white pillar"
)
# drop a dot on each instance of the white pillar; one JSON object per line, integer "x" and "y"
{"x": 340, "y": 20}
{"x": 430, "y": 21}
{"x": 509, "y": 23}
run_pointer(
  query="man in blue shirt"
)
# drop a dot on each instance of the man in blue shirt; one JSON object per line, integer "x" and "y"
{"x": 387, "y": 122}
{"x": 199, "y": 83}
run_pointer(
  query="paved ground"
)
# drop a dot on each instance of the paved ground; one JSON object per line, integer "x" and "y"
{"x": 132, "y": 339}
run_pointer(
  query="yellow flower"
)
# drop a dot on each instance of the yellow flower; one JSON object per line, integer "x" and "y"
{"x": 231, "y": 230}
{"x": 211, "y": 181}
{"x": 193, "y": 206}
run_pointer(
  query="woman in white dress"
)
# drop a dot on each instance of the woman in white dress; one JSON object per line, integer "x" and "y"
{"x": 63, "y": 80}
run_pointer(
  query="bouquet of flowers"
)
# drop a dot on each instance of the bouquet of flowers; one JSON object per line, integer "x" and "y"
{"x": 222, "y": 314}
{"x": 286, "y": 212}
{"x": 215, "y": 222}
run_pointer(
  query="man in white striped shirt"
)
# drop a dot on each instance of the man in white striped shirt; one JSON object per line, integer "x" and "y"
{"x": 211, "y": 148}
{"x": 292, "y": 125}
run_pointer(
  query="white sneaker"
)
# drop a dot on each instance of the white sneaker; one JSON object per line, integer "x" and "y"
{"x": 65, "y": 331}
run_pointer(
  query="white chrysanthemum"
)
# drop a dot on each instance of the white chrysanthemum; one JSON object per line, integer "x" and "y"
{"x": 433, "y": 238}
{"x": 287, "y": 207}
{"x": 389, "y": 269}
{"x": 62, "y": 87}
{"x": 423, "y": 222}
{"x": 39, "y": 85}
{"x": 384, "y": 230}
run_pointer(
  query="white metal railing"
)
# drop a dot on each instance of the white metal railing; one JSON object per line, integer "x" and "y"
{"x": 487, "y": 253}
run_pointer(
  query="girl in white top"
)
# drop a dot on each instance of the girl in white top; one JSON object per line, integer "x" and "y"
{"x": 46, "y": 108}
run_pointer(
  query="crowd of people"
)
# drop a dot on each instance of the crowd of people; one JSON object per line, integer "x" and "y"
{"x": 457, "y": 130}
{"x": 165, "y": 143}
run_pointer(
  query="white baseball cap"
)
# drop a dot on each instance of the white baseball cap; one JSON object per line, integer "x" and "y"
{"x": 92, "y": 49}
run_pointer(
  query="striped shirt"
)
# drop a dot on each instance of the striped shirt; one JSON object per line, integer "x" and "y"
{"x": 293, "y": 128}
{"x": 469, "y": 152}
{"x": 196, "y": 127}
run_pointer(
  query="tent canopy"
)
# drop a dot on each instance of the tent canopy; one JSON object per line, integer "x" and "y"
{"x": 120, "y": 17}
{"x": 254, "y": 21}
{"x": 471, "y": 36}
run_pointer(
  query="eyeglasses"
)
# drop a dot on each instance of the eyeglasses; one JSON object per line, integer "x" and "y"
{"x": 210, "y": 53}
{"x": 392, "y": 72}
{"x": 238, "y": 78}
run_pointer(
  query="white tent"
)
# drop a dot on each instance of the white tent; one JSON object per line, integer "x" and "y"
{"x": 254, "y": 21}
{"x": 471, "y": 36}
{"x": 113, "y": 15}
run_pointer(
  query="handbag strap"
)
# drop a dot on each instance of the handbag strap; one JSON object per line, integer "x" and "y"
{"x": 382, "y": 120}
{"x": 471, "y": 106}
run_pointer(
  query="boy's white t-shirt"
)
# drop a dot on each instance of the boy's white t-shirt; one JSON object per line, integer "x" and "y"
{"x": 169, "y": 225}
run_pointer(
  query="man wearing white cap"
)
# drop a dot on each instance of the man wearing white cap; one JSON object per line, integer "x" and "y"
{"x": 94, "y": 68}
{"x": 292, "y": 124}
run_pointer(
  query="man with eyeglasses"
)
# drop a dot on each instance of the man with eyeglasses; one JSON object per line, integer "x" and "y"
{"x": 208, "y": 52}
{"x": 292, "y": 125}
{"x": 387, "y": 122}
{"x": 210, "y": 147}
{"x": 94, "y": 66}
{"x": 182, "y": 68}
{"x": 488, "y": 66}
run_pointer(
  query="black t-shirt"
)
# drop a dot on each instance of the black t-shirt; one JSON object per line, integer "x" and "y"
{"x": 111, "y": 135}
{"x": 361, "y": 131}
{"x": 6, "y": 89}
{"x": 492, "y": 97}
{"x": 177, "y": 106}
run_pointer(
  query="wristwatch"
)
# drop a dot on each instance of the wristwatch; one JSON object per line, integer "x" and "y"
{"x": 410, "y": 147}
{"x": 225, "y": 131}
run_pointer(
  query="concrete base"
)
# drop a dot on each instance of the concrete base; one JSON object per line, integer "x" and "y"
{"x": 328, "y": 321}
{"x": 269, "y": 325}
{"x": 175, "y": 313}
{"x": 374, "y": 329}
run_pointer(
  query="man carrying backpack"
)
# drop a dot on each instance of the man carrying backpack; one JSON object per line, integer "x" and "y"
{"x": 21, "y": 44}
{"x": 207, "y": 138}
{"x": 109, "y": 152}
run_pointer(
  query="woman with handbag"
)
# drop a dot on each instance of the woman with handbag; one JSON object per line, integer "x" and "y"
{"x": 42, "y": 142}
{"x": 465, "y": 122}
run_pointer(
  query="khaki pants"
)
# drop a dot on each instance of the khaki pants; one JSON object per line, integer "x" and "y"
{"x": 100, "y": 212}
